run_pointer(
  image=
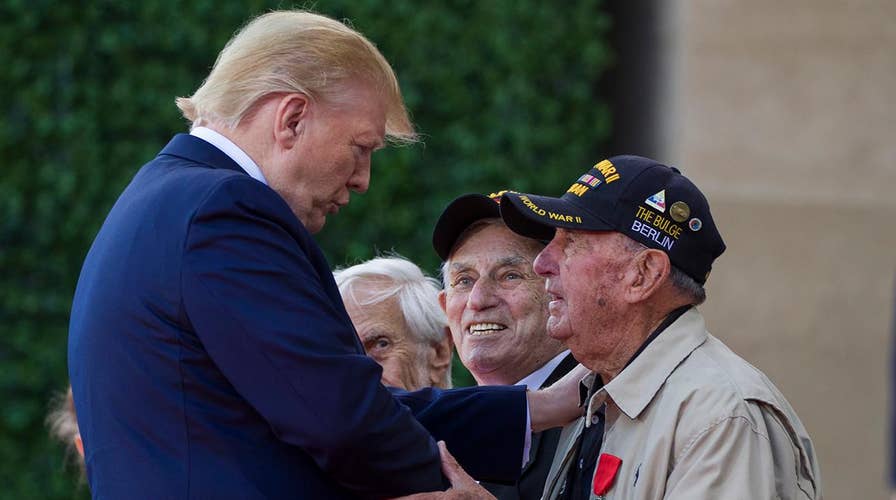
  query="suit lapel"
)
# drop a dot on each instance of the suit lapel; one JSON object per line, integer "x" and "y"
{"x": 562, "y": 369}
{"x": 533, "y": 451}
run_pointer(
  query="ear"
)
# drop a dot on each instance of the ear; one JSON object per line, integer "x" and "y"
{"x": 291, "y": 115}
{"x": 79, "y": 445}
{"x": 442, "y": 300}
{"x": 649, "y": 269}
{"x": 441, "y": 361}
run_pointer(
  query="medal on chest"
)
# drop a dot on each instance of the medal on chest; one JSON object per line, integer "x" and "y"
{"x": 607, "y": 467}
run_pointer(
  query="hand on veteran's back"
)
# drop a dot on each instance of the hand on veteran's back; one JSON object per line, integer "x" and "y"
{"x": 463, "y": 487}
{"x": 557, "y": 405}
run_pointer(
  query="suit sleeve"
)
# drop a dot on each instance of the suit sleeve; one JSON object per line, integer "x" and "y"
{"x": 259, "y": 305}
{"x": 483, "y": 427}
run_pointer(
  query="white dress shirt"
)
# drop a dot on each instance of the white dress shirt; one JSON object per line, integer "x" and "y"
{"x": 232, "y": 150}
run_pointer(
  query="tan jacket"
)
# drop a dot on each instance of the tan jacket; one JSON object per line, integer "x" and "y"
{"x": 692, "y": 420}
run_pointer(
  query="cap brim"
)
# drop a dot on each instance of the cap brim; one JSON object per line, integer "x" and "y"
{"x": 538, "y": 217}
{"x": 457, "y": 217}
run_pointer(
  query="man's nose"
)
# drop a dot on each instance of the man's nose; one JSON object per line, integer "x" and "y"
{"x": 360, "y": 179}
{"x": 483, "y": 295}
{"x": 545, "y": 263}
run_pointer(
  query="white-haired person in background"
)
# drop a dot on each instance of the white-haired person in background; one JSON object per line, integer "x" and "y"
{"x": 63, "y": 423}
{"x": 395, "y": 309}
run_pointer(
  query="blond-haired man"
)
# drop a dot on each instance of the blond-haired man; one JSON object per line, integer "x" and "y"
{"x": 210, "y": 354}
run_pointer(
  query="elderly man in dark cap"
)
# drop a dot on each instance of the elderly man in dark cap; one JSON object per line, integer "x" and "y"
{"x": 497, "y": 309}
{"x": 671, "y": 412}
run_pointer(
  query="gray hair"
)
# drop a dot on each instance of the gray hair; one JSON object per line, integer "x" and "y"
{"x": 688, "y": 286}
{"x": 395, "y": 276}
{"x": 683, "y": 283}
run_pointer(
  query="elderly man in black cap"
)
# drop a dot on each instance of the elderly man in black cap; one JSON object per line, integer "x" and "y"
{"x": 671, "y": 412}
{"x": 497, "y": 310}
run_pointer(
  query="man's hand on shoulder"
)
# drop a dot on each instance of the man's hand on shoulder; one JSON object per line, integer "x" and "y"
{"x": 557, "y": 405}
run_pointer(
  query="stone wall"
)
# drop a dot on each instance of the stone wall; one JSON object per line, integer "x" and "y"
{"x": 785, "y": 114}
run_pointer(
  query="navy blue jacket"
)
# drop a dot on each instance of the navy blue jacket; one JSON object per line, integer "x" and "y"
{"x": 211, "y": 357}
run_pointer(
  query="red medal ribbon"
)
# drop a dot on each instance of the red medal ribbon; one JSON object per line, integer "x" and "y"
{"x": 607, "y": 466}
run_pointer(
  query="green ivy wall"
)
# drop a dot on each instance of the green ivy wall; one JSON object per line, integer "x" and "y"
{"x": 503, "y": 91}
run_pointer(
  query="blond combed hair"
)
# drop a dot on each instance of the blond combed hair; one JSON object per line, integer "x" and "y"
{"x": 295, "y": 51}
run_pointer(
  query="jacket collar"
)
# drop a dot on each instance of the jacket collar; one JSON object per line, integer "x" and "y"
{"x": 637, "y": 384}
{"x": 195, "y": 149}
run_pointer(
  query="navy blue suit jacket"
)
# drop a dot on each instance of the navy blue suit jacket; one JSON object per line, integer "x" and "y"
{"x": 211, "y": 357}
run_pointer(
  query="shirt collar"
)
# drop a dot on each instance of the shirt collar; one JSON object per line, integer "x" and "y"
{"x": 230, "y": 149}
{"x": 637, "y": 384}
{"x": 536, "y": 379}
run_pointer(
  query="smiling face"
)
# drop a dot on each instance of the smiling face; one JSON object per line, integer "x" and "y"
{"x": 496, "y": 305}
{"x": 329, "y": 155}
{"x": 585, "y": 274}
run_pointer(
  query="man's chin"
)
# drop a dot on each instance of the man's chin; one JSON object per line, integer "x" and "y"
{"x": 391, "y": 383}
{"x": 315, "y": 225}
{"x": 559, "y": 330}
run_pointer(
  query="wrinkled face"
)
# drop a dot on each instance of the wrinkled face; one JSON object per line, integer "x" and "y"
{"x": 332, "y": 156}
{"x": 387, "y": 339}
{"x": 497, "y": 306}
{"x": 584, "y": 272}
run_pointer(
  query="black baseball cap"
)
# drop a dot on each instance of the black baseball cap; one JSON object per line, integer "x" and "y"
{"x": 647, "y": 201}
{"x": 461, "y": 214}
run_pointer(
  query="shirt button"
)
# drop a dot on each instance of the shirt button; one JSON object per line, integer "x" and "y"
{"x": 581, "y": 463}
{"x": 594, "y": 419}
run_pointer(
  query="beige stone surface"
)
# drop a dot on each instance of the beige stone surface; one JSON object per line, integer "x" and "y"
{"x": 785, "y": 113}
{"x": 803, "y": 295}
{"x": 789, "y": 100}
